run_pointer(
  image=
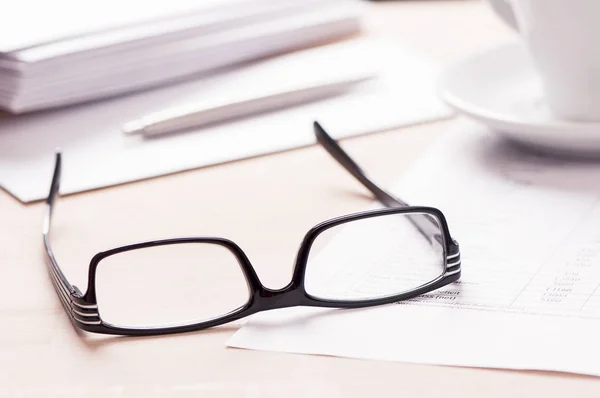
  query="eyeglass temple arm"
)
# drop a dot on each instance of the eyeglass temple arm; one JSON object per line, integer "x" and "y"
{"x": 62, "y": 285}
{"x": 334, "y": 149}
{"x": 426, "y": 225}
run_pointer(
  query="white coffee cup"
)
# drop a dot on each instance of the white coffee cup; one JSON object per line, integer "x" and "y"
{"x": 561, "y": 36}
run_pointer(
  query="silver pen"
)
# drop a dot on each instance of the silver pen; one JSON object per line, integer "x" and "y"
{"x": 198, "y": 115}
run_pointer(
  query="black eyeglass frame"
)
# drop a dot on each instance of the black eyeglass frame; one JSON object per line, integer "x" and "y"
{"x": 83, "y": 308}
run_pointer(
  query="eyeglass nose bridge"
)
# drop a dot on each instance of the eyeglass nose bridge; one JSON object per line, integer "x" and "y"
{"x": 290, "y": 296}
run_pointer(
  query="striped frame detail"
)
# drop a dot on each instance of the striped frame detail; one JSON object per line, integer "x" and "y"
{"x": 453, "y": 263}
{"x": 77, "y": 309}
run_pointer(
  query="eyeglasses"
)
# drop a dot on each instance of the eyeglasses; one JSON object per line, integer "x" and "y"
{"x": 176, "y": 285}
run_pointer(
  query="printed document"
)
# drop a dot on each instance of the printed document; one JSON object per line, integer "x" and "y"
{"x": 529, "y": 296}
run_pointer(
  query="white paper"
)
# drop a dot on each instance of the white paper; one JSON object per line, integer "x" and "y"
{"x": 28, "y": 23}
{"x": 198, "y": 19}
{"x": 97, "y": 154}
{"x": 131, "y": 65}
{"x": 529, "y": 295}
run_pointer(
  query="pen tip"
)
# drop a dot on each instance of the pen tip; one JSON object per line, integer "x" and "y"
{"x": 133, "y": 127}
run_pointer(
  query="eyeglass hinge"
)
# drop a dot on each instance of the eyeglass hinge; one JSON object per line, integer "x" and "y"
{"x": 78, "y": 293}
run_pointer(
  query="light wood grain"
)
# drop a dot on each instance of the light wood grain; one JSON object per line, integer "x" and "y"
{"x": 265, "y": 204}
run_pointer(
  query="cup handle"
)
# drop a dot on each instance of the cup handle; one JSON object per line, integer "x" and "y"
{"x": 504, "y": 10}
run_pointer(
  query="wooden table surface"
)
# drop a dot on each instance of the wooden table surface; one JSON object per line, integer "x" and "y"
{"x": 266, "y": 205}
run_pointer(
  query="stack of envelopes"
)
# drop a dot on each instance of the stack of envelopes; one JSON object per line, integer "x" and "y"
{"x": 69, "y": 51}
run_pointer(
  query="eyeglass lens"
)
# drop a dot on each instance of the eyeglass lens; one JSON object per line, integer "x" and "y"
{"x": 374, "y": 258}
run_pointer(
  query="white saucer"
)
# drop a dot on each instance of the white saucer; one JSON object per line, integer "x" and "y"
{"x": 500, "y": 88}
